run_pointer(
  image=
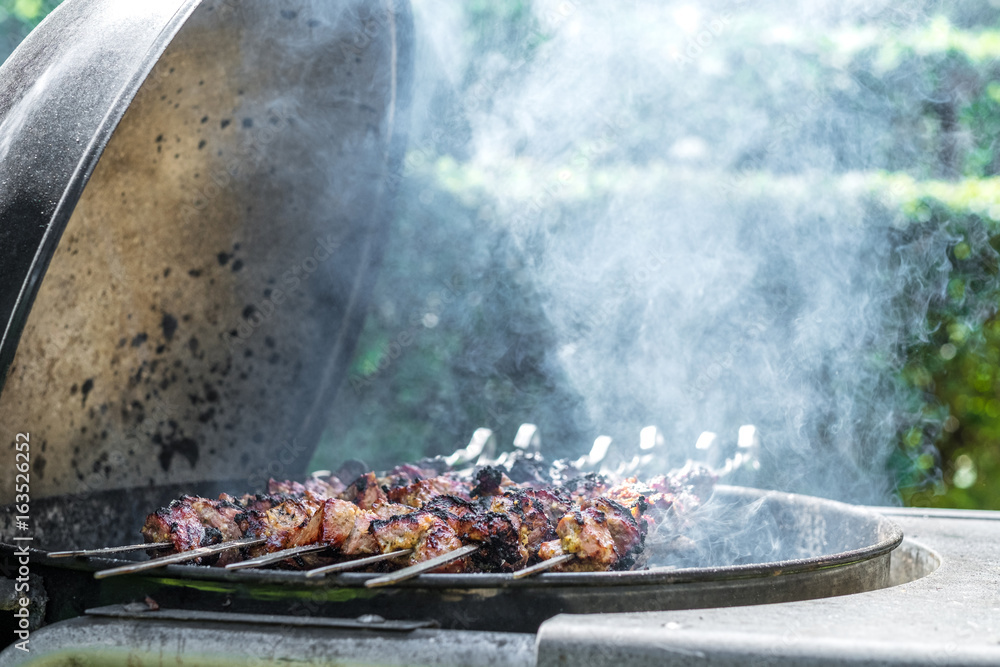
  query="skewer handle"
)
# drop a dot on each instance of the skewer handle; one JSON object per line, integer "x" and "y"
{"x": 420, "y": 568}
{"x": 276, "y": 556}
{"x": 548, "y": 564}
{"x": 111, "y": 550}
{"x": 177, "y": 558}
{"x": 356, "y": 563}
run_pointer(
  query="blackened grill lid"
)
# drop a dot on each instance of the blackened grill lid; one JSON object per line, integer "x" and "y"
{"x": 195, "y": 196}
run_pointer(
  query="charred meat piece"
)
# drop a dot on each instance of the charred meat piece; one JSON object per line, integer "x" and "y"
{"x": 404, "y": 531}
{"x": 287, "y": 487}
{"x": 502, "y": 550}
{"x": 331, "y": 487}
{"x": 490, "y": 481}
{"x": 554, "y": 503}
{"x": 293, "y": 523}
{"x": 365, "y": 492}
{"x": 528, "y": 517}
{"x": 550, "y": 549}
{"x": 178, "y": 523}
{"x": 261, "y": 502}
{"x": 590, "y": 485}
{"x": 417, "y": 494}
{"x": 628, "y": 534}
{"x": 529, "y": 468}
{"x": 438, "y": 540}
{"x": 453, "y": 505}
{"x": 191, "y": 522}
{"x": 361, "y": 541}
{"x": 424, "y": 531}
{"x": 405, "y": 474}
{"x": 586, "y": 533}
{"x": 338, "y": 518}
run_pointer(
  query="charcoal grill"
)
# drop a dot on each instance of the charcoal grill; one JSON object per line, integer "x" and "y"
{"x": 219, "y": 153}
{"x": 826, "y": 548}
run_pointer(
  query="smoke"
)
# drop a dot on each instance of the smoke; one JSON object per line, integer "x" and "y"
{"x": 688, "y": 191}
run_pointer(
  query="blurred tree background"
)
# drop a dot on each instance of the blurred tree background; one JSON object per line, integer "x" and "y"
{"x": 929, "y": 72}
{"x": 18, "y": 18}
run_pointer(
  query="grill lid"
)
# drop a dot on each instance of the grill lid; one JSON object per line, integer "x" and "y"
{"x": 203, "y": 186}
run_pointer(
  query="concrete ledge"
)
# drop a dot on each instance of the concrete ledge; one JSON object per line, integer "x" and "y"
{"x": 951, "y": 616}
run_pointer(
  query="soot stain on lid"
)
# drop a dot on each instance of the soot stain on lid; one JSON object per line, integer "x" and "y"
{"x": 169, "y": 325}
{"x": 88, "y": 384}
{"x": 169, "y": 447}
{"x": 140, "y": 339}
{"x": 224, "y": 258}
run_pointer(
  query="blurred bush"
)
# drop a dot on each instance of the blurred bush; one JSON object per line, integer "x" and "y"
{"x": 18, "y": 18}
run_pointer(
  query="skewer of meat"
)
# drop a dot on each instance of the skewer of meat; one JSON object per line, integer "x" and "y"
{"x": 511, "y": 526}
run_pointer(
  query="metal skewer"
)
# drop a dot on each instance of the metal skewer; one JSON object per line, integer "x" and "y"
{"x": 277, "y": 556}
{"x": 543, "y": 566}
{"x": 356, "y": 563}
{"x": 177, "y": 558}
{"x": 111, "y": 550}
{"x": 420, "y": 568}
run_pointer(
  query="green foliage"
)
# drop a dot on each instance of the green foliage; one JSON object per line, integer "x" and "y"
{"x": 18, "y": 18}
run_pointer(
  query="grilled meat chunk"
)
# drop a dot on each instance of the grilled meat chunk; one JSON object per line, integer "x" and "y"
{"x": 590, "y": 485}
{"x": 501, "y": 550}
{"x": 178, "y": 523}
{"x": 286, "y": 487}
{"x": 293, "y": 523}
{"x": 405, "y": 474}
{"x": 424, "y": 531}
{"x": 550, "y": 549}
{"x": 338, "y": 518}
{"x": 420, "y": 492}
{"x": 490, "y": 481}
{"x": 586, "y": 533}
{"x": 628, "y": 534}
{"x": 191, "y": 522}
{"x": 261, "y": 502}
{"x": 528, "y": 518}
{"x": 331, "y": 487}
{"x": 365, "y": 492}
